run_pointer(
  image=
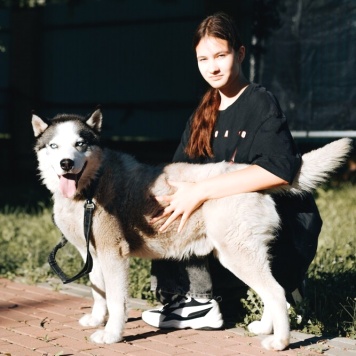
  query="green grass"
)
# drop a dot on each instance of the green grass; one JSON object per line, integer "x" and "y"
{"x": 27, "y": 237}
{"x": 330, "y": 306}
{"x": 332, "y": 275}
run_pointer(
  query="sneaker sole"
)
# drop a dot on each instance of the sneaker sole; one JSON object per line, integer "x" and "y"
{"x": 190, "y": 324}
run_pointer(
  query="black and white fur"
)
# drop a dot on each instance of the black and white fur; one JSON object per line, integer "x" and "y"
{"x": 237, "y": 228}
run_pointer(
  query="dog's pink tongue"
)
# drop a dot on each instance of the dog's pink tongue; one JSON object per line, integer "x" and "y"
{"x": 67, "y": 185}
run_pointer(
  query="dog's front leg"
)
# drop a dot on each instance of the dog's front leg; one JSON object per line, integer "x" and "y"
{"x": 99, "y": 310}
{"x": 115, "y": 271}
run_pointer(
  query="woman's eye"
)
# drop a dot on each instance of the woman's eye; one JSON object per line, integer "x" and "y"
{"x": 53, "y": 145}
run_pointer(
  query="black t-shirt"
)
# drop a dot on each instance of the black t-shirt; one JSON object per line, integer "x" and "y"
{"x": 252, "y": 130}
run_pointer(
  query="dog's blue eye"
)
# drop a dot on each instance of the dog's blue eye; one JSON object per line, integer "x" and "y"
{"x": 53, "y": 145}
{"x": 81, "y": 143}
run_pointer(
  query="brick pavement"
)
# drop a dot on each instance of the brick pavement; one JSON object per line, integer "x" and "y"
{"x": 39, "y": 321}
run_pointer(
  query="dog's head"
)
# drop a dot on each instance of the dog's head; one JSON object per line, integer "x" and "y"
{"x": 68, "y": 151}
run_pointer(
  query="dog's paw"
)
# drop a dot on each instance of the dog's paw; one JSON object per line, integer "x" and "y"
{"x": 259, "y": 328}
{"x": 274, "y": 343}
{"x": 90, "y": 320}
{"x": 104, "y": 337}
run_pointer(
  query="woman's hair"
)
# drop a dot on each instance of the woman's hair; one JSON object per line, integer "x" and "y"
{"x": 219, "y": 25}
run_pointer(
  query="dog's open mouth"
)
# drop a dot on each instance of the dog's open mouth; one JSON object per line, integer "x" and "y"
{"x": 68, "y": 183}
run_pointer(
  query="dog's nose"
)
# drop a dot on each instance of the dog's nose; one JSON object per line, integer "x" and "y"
{"x": 67, "y": 164}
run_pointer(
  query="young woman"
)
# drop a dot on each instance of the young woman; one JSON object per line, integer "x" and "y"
{"x": 241, "y": 122}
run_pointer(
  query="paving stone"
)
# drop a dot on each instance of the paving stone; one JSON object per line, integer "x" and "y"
{"x": 35, "y": 320}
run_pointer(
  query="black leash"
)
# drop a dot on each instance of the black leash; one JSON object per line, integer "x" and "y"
{"x": 89, "y": 207}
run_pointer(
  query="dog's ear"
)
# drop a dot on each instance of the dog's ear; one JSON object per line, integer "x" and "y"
{"x": 38, "y": 125}
{"x": 95, "y": 120}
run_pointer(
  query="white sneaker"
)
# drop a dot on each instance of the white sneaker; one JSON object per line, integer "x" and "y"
{"x": 186, "y": 313}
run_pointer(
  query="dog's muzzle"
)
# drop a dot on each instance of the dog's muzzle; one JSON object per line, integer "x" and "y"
{"x": 68, "y": 183}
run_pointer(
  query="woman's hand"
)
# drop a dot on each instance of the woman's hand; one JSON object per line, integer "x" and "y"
{"x": 183, "y": 202}
{"x": 189, "y": 196}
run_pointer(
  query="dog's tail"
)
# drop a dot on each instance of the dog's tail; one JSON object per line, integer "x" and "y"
{"x": 317, "y": 166}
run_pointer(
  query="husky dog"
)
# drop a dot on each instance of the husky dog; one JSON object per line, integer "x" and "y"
{"x": 237, "y": 228}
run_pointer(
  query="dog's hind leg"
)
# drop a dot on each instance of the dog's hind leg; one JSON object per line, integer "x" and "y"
{"x": 253, "y": 269}
{"x": 115, "y": 272}
{"x": 275, "y": 314}
{"x": 99, "y": 310}
{"x": 263, "y": 326}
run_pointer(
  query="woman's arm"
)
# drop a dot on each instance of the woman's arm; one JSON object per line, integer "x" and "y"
{"x": 189, "y": 196}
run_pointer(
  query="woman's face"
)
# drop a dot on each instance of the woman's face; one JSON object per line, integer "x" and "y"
{"x": 218, "y": 63}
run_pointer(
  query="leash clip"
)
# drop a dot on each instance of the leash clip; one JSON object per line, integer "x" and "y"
{"x": 89, "y": 205}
